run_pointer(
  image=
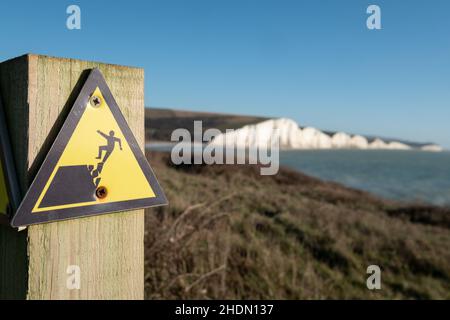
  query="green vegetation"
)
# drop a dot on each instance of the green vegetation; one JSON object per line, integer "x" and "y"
{"x": 230, "y": 233}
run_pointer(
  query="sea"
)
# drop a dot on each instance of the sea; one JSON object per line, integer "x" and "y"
{"x": 405, "y": 175}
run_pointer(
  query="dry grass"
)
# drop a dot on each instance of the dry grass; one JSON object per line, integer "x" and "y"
{"x": 230, "y": 233}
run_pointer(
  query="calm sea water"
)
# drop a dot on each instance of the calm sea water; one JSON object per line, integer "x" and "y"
{"x": 400, "y": 175}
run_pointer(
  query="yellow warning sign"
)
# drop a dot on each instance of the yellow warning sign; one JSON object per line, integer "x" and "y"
{"x": 95, "y": 165}
{"x": 97, "y": 155}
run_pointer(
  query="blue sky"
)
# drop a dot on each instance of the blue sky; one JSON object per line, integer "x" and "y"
{"x": 313, "y": 61}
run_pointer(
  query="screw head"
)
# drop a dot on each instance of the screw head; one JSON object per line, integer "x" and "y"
{"x": 101, "y": 192}
{"x": 96, "y": 101}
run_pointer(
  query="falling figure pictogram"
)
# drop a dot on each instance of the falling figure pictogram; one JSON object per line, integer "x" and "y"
{"x": 109, "y": 148}
{"x": 111, "y": 141}
{"x": 86, "y": 177}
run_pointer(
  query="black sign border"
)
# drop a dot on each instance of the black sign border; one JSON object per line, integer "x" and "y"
{"x": 24, "y": 215}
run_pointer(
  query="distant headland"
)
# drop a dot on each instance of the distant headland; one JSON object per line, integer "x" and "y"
{"x": 253, "y": 131}
{"x": 292, "y": 136}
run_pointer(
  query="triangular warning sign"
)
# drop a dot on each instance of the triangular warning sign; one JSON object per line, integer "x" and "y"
{"x": 9, "y": 189}
{"x": 95, "y": 165}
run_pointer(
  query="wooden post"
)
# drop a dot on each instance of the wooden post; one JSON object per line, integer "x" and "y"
{"x": 38, "y": 92}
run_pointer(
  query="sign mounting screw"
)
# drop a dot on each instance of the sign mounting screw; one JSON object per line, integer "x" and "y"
{"x": 101, "y": 192}
{"x": 96, "y": 101}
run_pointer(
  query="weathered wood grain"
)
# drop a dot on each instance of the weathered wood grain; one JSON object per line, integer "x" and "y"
{"x": 108, "y": 248}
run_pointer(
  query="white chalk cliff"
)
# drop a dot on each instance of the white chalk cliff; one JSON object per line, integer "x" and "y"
{"x": 293, "y": 137}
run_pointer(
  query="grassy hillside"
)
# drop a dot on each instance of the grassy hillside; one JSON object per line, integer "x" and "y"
{"x": 231, "y": 233}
